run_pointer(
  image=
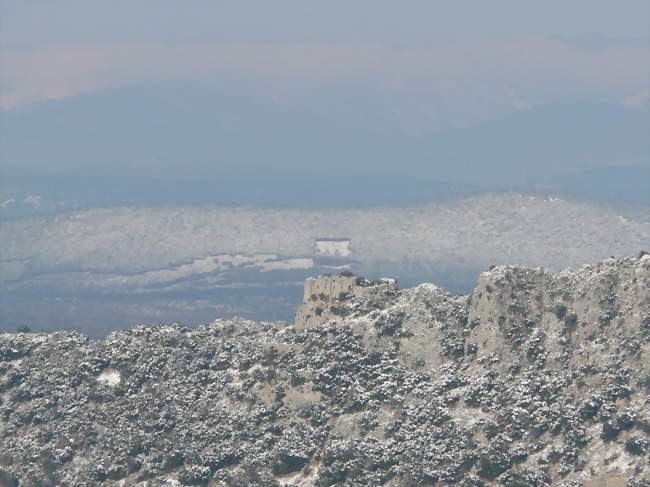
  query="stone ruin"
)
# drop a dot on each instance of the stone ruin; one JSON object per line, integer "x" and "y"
{"x": 325, "y": 296}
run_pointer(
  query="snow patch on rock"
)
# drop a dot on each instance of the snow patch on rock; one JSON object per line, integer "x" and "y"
{"x": 109, "y": 377}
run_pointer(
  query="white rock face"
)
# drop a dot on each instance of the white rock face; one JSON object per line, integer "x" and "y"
{"x": 109, "y": 377}
{"x": 333, "y": 248}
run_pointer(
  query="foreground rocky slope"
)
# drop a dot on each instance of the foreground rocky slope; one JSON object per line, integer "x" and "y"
{"x": 537, "y": 378}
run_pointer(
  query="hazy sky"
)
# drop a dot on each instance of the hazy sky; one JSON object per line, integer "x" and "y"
{"x": 37, "y": 24}
{"x": 528, "y": 52}
{"x": 192, "y": 89}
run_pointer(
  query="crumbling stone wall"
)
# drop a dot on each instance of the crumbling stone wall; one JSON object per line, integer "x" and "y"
{"x": 328, "y": 288}
{"x": 325, "y": 297}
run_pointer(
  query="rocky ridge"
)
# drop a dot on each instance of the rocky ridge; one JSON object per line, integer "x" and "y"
{"x": 536, "y": 378}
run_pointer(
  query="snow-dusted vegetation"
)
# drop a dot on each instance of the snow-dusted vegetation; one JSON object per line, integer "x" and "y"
{"x": 537, "y": 379}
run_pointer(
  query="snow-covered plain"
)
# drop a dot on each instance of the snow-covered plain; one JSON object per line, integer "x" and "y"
{"x": 131, "y": 250}
{"x": 491, "y": 228}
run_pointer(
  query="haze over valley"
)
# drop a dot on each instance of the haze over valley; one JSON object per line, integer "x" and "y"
{"x": 189, "y": 199}
{"x": 106, "y": 268}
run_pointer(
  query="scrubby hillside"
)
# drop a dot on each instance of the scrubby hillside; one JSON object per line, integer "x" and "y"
{"x": 537, "y": 378}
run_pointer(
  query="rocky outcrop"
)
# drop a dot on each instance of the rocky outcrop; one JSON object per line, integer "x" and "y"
{"x": 537, "y": 378}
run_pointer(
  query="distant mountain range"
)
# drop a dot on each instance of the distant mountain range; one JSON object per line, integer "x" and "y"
{"x": 247, "y": 144}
